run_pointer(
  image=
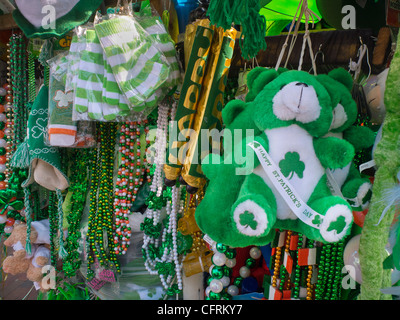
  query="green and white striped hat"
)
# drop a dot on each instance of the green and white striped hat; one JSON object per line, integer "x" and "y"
{"x": 52, "y": 18}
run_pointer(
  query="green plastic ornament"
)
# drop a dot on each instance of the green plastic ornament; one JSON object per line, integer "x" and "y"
{"x": 217, "y": 272}
{"x": 221, "y": 247}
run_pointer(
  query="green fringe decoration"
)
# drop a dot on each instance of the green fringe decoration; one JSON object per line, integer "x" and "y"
{"x": 223, "y": 13}
{"x": 20, "y": 158}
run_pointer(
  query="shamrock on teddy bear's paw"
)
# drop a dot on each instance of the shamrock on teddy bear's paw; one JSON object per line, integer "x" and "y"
{"x": 336, "y": 223}
{"x": 290, "y": 113}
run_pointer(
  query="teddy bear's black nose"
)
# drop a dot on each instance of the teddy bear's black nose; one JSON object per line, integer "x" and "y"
{"x": 301, "y": 84}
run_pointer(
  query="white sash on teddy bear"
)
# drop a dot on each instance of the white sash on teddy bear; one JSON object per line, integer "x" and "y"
{"x": 288, "y": 193}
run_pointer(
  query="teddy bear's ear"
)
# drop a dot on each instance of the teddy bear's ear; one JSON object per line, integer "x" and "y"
{"x": 282, "y": 70}
{"x": 253, "y": 74}
{"x": 257, "y": 79}
{"x": 342, "y": 76}
{"x": 232, "y": 109}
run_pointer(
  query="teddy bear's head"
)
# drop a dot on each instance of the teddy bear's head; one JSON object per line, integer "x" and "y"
{"x": 280, "y": 98}
{"x": 17, "y": 263}
{"x": 293, "y": 97}
{"x": 18, "y": 236}
{"x": 339, "y": 84}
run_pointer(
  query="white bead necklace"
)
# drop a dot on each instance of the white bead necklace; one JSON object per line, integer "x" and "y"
{"x": 173, "y": 207}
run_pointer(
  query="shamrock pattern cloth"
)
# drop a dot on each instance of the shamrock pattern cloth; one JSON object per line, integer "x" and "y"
{"x": 44, "y": 161}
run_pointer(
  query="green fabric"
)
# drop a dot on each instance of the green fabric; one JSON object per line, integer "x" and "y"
{"x": 38, "y": 150}
{"x": 93, "y": 84}
{"x": 79, "y": 15}
{"x": 224, "y": 13}
{"x": 374, "y": 237}
{"x": 162, "y": 41}
{"x": 138, "y": 66}
{"x": 333, "y": 153}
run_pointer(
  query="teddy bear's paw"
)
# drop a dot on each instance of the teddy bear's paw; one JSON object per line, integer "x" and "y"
{"x": 364, "y": 195}
{"x": 251, "y": 219}
{"x": 358, "y": 193}
{"x": 336, "y": 223}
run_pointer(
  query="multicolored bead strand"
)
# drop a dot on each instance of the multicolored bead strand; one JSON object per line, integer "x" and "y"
{"x": 4, "y": 154}
{"x": 7, "y": 141}
{"x": 219, "y": 285}
{"x": 310, "y": 286}
{"x": 130, "y": 178}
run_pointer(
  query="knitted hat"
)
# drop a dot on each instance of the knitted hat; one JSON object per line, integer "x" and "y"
{"x": 52, "y": 18}
{"x": 42, "y": 161}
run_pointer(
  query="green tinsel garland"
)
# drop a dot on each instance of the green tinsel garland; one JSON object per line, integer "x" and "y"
{"x": 223, "y": 13}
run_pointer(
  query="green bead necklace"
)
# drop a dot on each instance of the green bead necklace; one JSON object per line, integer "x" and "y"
{"x": 78, "y": 186}
{"x": 19, "y": 87}
{"x": 297, "y": 271}
{"x": 31, "y": 77}
{"x": 53, "y": 222}
{"x": 330, "y": 275}
{"x": 100, "y": 224}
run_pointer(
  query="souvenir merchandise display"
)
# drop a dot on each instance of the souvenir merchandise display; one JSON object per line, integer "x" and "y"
{"x": 198, "y": 150}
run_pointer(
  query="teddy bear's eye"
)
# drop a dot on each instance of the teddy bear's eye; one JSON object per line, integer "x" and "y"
{"x": 302, "y": 84}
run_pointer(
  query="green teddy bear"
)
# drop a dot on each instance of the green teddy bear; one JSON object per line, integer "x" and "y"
{"x": 225, "y": 173}
{"x": 354, "y": 187}
{"x": 244, "y": 203}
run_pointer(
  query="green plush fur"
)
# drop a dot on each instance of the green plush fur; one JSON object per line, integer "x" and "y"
{"x": 243, "y": 210}
{"x": 374, "y": 236}
{"x": 355, "y": 188}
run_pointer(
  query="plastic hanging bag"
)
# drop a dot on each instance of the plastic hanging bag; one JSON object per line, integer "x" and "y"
{"x": 62, "y": 130}
{"x": 134, "y": 282}
{"x": 154, "y": 26}
{"x": 89, "y": 102}
{"x": 140, "y": 69}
